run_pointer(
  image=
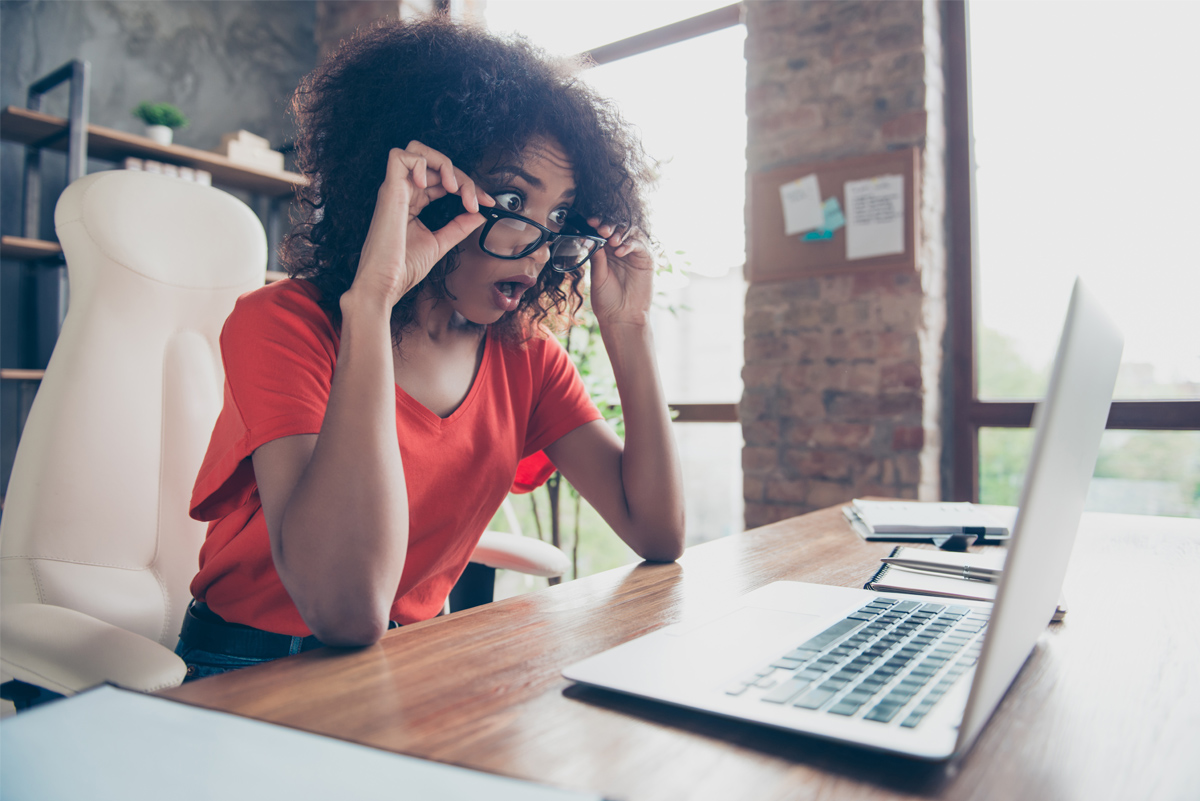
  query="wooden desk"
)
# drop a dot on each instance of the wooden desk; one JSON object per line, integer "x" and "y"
{"x": 482, "y": 689}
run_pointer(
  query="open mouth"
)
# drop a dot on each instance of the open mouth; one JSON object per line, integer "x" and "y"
{"x": 510, "y": 289}
{"x": 507, "y": 293}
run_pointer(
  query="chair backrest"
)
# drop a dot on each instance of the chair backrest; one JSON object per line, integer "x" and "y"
{"x": 96, "y": 512}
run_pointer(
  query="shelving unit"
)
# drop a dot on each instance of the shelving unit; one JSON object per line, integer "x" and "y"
{"x": 21, "y": 249}
{"x": 83, "y": 141}
{"x": 45, "y": 131}
{"x": 36, "y": 129}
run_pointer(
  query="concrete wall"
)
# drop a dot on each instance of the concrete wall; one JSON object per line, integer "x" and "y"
{"x": 843, "y": 373}
{"x": 226, "y": 65}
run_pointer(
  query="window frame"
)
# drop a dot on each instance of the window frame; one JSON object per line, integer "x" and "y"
{"x": 674, "y": 33}
{"x": 968, "y": 412}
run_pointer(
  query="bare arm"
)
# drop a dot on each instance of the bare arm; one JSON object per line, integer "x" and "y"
{"x": 637, "y": 485}
{"x": 335, "y": 503}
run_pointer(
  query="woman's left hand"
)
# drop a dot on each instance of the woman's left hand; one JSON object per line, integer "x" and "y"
{"x": 622, "y": 276}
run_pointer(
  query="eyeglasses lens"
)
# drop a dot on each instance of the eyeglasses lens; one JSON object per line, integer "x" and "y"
{"x": 569, "y": 252}
{"x": 509, "y": 237}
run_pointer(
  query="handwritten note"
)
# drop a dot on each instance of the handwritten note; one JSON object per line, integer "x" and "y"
{"x": 875, "y": 217}
{"x": 801, "y": 205}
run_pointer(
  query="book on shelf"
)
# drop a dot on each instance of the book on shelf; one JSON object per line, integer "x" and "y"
{"x": 917, "y": 571}
{"x": 920, "y": 521}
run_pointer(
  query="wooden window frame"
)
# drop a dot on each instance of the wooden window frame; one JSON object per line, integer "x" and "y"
{"x": 674, "y": 33}
{"x": 968, "y": 413}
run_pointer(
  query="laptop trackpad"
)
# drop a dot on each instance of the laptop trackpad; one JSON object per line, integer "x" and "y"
{"x": 747, "y": 626}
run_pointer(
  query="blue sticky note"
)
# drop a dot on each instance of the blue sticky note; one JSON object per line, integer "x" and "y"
{"x": 834, "y": 219}
{"x": 815, "y": 235}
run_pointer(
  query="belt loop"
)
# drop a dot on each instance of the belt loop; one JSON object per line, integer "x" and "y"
{"x": 297, "y": 646}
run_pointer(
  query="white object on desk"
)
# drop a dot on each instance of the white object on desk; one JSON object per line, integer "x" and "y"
{"x": 115, "y": 744}
{"x": 916, "y": 520}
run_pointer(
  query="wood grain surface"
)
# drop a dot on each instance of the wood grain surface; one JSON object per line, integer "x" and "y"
{"x": 45, "y": 130}
{"x": 1108, "y": 705}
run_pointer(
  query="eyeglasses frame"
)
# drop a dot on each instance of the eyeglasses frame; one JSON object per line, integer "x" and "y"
{"x": 574, "y": 220}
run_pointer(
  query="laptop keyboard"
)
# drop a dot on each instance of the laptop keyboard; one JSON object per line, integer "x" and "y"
{"x": 875, "y": 662}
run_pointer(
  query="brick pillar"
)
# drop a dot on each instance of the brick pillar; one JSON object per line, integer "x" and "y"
{"x": 337, "y": 20}
{"x": 843, "y": 372}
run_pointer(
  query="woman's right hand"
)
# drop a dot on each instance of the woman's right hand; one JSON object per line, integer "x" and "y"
{"x": 400, "y": 250}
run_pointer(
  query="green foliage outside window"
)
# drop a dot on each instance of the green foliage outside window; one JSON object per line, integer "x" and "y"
{"x": 556, "y": 512}
{"x": 1142, "y": 472}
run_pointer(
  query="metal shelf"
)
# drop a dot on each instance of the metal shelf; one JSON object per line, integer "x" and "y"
{"x": 22, "y": 249}
{"x": 36, "y": 129}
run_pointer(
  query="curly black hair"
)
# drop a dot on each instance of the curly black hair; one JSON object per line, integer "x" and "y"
{"x": 472, "y": 95}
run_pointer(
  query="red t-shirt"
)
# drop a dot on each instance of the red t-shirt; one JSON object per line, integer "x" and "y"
{"x": 279, "y": 349}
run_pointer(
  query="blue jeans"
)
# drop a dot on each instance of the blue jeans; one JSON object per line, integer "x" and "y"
{"x": 209, "y": 645}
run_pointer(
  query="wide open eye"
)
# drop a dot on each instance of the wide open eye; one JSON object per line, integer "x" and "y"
{"x": 509, "y": 201}
{"x": 558, "y": 218}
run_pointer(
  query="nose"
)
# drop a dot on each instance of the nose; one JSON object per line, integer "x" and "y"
{"x": 541, "y": 256}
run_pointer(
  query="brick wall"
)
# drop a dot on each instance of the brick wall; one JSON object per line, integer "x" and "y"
{"x": 843, "y": 372}
{"x": 337, "y": 20}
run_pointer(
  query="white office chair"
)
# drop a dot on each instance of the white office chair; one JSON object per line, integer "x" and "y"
{"x": 500, "y": 550}
{"x": 96, "y": 546}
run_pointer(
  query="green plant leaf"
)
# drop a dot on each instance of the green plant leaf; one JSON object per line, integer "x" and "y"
{"x": 160, "y": 114}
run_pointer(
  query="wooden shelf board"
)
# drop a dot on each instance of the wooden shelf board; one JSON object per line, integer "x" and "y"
{"x": 34, "y": 128}
{"x": 17, "y": 374}
{"x": 18, "y": 247}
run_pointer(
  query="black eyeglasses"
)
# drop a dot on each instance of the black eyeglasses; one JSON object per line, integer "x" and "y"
{"x": 506, "y": 235}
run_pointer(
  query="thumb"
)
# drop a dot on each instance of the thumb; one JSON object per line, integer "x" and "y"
{"x": 455, "y": 231}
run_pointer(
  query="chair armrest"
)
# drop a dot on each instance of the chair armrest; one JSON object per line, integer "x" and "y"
{"x": 523, "y": 554}
{"x": 66, "y": 651}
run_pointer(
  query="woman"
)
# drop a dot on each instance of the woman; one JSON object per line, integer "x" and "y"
{"x": 423, "y": 326}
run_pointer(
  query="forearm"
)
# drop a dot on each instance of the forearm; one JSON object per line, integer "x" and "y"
{"x": 343, "y": 533}
{"x": 650, "y": 469}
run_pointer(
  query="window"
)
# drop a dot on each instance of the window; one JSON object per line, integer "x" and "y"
{"x": 692, "y": 122}
{"x": 1084, "y": 165}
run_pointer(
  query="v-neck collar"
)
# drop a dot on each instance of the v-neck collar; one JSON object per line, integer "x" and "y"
{"x": 423, "y": 412}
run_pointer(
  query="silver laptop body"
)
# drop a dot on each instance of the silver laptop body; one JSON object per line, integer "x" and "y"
{"x": 722, "y": 663}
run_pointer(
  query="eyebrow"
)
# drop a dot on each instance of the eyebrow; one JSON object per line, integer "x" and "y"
{"x": 507, "y": 171}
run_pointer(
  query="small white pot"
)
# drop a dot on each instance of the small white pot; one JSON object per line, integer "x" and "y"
{"x": 160, "y": 134}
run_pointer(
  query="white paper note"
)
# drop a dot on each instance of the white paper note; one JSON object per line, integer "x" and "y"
{"x": 115, "y": 745}
{"x": 801, "y": 205}
{"x": 875, "y": 217}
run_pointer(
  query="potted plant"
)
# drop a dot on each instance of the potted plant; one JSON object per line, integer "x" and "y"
{"x": 161, "y": 120}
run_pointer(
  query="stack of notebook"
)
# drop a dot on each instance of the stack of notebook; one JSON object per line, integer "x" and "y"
{"x": 965, "y": 576}
{"x": 916, "y": 521}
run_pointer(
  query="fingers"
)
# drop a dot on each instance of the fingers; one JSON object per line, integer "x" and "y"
{"x": 439, "y": 171}
{"x": 622, "y": 241}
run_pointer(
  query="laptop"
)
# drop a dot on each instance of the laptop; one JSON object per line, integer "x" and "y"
{"x": 917, "y": 676}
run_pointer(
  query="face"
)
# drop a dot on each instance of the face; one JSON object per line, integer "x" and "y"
{"x": 538, "y": 185}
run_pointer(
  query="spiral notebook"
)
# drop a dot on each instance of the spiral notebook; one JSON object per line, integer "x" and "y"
{"x": 890, "y": 578}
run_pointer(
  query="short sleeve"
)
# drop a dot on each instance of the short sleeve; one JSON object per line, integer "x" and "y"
{"x": 560, "y": 402}
{"x": 532, "y": 472}
{"x": 278, "y": 349}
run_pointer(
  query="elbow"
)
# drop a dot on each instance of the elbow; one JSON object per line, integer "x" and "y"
{"x": 664, "y": 544}
{"x": 350, "y": 633}
{"x": 356, "y": 634}
{"x": 352, "y": 623}
{"x": 661, "y": 555}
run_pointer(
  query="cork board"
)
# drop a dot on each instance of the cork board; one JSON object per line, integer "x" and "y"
{"x": 773, "y": 255}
